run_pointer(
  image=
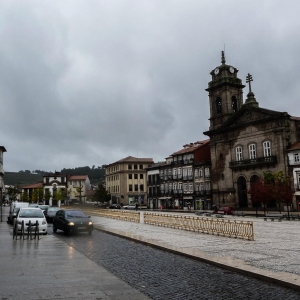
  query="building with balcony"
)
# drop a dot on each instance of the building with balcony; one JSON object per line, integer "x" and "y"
{"x": 245, "y": 139}
{"x": 294, "y": 169}
{"x": 126, "y": 180}
{"x": 183, "y": 179}
{"x": 153, "y": 184}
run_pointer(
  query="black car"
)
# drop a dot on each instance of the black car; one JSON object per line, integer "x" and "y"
{"x": 72, "y": 220}
{"x": 115, "y": 206}
{"x": 50, "y": 212}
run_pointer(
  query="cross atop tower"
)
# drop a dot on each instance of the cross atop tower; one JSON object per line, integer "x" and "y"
{"x": 248, "y": 80}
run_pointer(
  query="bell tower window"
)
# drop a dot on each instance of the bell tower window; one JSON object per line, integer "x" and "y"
{"x": 219, "y": 105}
{"x": 234, "y": 104}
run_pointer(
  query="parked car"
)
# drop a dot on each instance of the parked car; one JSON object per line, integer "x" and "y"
{"x": 33, "y": 205}
{"x": 115, "y": 206}
{"x": 226, "y": 210}
{"x": 43, "y": 207}
{"x": 72, "y": 220}
{"x": 129, "y": 206}
{"x": 30, "y": 214}
{"x": 14, "y": 209}
{"x": 50, "y": 212}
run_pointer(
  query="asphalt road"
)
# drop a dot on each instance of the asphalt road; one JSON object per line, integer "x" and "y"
{"x": 164, "y": 275}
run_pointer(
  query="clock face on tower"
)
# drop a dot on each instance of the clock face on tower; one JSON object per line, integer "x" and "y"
{"x": 217, "y": 71}
{"x": 231, "y": 69}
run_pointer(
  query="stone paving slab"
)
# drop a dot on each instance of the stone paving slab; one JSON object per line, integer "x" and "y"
{"x": 50, "y": 269}
{"x": 273, "y": 255}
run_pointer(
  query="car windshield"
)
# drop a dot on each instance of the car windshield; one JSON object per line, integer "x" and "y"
{"x": 16, "y": 209}
{"x": 53, "y": 209}
{"x": 31, "y": 213}
{"x": 75, "y": 214}
{"x": 43, "y": 207}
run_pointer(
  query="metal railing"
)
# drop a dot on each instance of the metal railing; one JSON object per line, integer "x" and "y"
{"x": 235, "y": 229}
{"x": 124, "y": 215}
{"x": 228, "y": 228}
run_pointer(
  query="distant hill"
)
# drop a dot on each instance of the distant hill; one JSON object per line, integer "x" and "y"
{"x": 96, "y": 175}
{"x": 21, "y": 178}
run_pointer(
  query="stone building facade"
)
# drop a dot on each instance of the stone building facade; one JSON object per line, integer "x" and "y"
{"x": 245, "y": 139}
{"x": 126, "y": 180}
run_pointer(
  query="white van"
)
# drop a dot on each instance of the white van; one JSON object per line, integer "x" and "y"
{"x": 14, "y": 209}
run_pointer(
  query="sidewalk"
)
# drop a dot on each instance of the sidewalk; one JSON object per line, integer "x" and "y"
{"x": 273, "y": 256}
{"x": 50, "y": 269}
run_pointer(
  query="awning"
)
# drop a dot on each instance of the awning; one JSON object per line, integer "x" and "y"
{"x": 187, "y": 198}
{"x": 164, "y": 198}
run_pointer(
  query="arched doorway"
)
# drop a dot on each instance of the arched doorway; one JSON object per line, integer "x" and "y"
{"x": 253, "y": 180}
{"x": 242, "y": 192}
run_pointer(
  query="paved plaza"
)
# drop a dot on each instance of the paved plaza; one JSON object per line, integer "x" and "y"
{"x": 52, "y": 268}
{"x": 274, "y": 255}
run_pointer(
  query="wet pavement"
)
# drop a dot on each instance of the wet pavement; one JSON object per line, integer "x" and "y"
{"x": 125, "y": 260}
{"x": 51, "y": 269}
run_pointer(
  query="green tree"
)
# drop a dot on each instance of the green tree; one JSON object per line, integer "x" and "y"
{"x": 58, "y": 195}
{"x": 34, "y": 197}
{"x": 24, "y": 197}
{"x": 12, "y": 192}
{"x": 101, "y": 194}
{"x": 48, "y": 195}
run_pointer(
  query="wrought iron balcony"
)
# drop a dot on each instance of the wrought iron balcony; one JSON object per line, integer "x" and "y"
{"x": 253, "y": 162}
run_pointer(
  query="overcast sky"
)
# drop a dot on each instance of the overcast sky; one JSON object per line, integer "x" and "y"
{"x": 90, "y": 82}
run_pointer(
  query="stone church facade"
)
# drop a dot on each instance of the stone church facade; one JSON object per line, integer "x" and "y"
{"x": 246, "y": 140}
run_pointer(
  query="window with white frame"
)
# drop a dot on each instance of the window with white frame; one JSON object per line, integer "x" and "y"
{"x": 175, "y": 186}
{"x": 197, "y": 188}
{"x": 267, "y": 148}
{"x": 298, "y": 180}
{"x": 190, "y": 171}
{"x": 252, "y": 151}
{"x": 207, "y": 186}
{"x": 166, "y": 186}
{"x": 175, "y": 171}
{"x": 170, "y": 186}
{"x": 185, "y": 187}
{"x": 296, "y": 158}
{"x": 239, "y": 153}
{"x": 201, "y": 173}
{"x": 201, "y": 187}
{"x": 196, "y": 173}
{"x": 162, "y": 187}
{"x": 179, "y": 171}
{"x": 206, "y": 172}
{"x": 191, "y": 187}
{"x": 184, "y": 172}
{"x": 180, "y": 185}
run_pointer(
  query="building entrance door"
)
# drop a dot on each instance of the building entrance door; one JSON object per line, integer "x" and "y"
{"x": 242, "y": 192}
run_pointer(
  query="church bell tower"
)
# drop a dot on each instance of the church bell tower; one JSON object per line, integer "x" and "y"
{"x": 225, "y": 94}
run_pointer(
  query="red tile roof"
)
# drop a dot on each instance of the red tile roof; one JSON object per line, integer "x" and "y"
{"x": 32, "y": 186}
{"x": 78, "y": 177}
{"x": 295, "y": 146}
{"x": 188, "y": 148}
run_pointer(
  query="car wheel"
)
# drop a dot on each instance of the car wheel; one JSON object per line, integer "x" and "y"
{"x": 67, "y": 231}
{"x": 54, "y": 228}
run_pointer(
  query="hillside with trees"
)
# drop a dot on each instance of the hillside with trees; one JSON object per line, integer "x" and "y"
{"x": 25, "y": 177}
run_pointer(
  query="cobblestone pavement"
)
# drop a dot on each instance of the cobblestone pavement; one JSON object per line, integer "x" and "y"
{"x": 164, "y": 275}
